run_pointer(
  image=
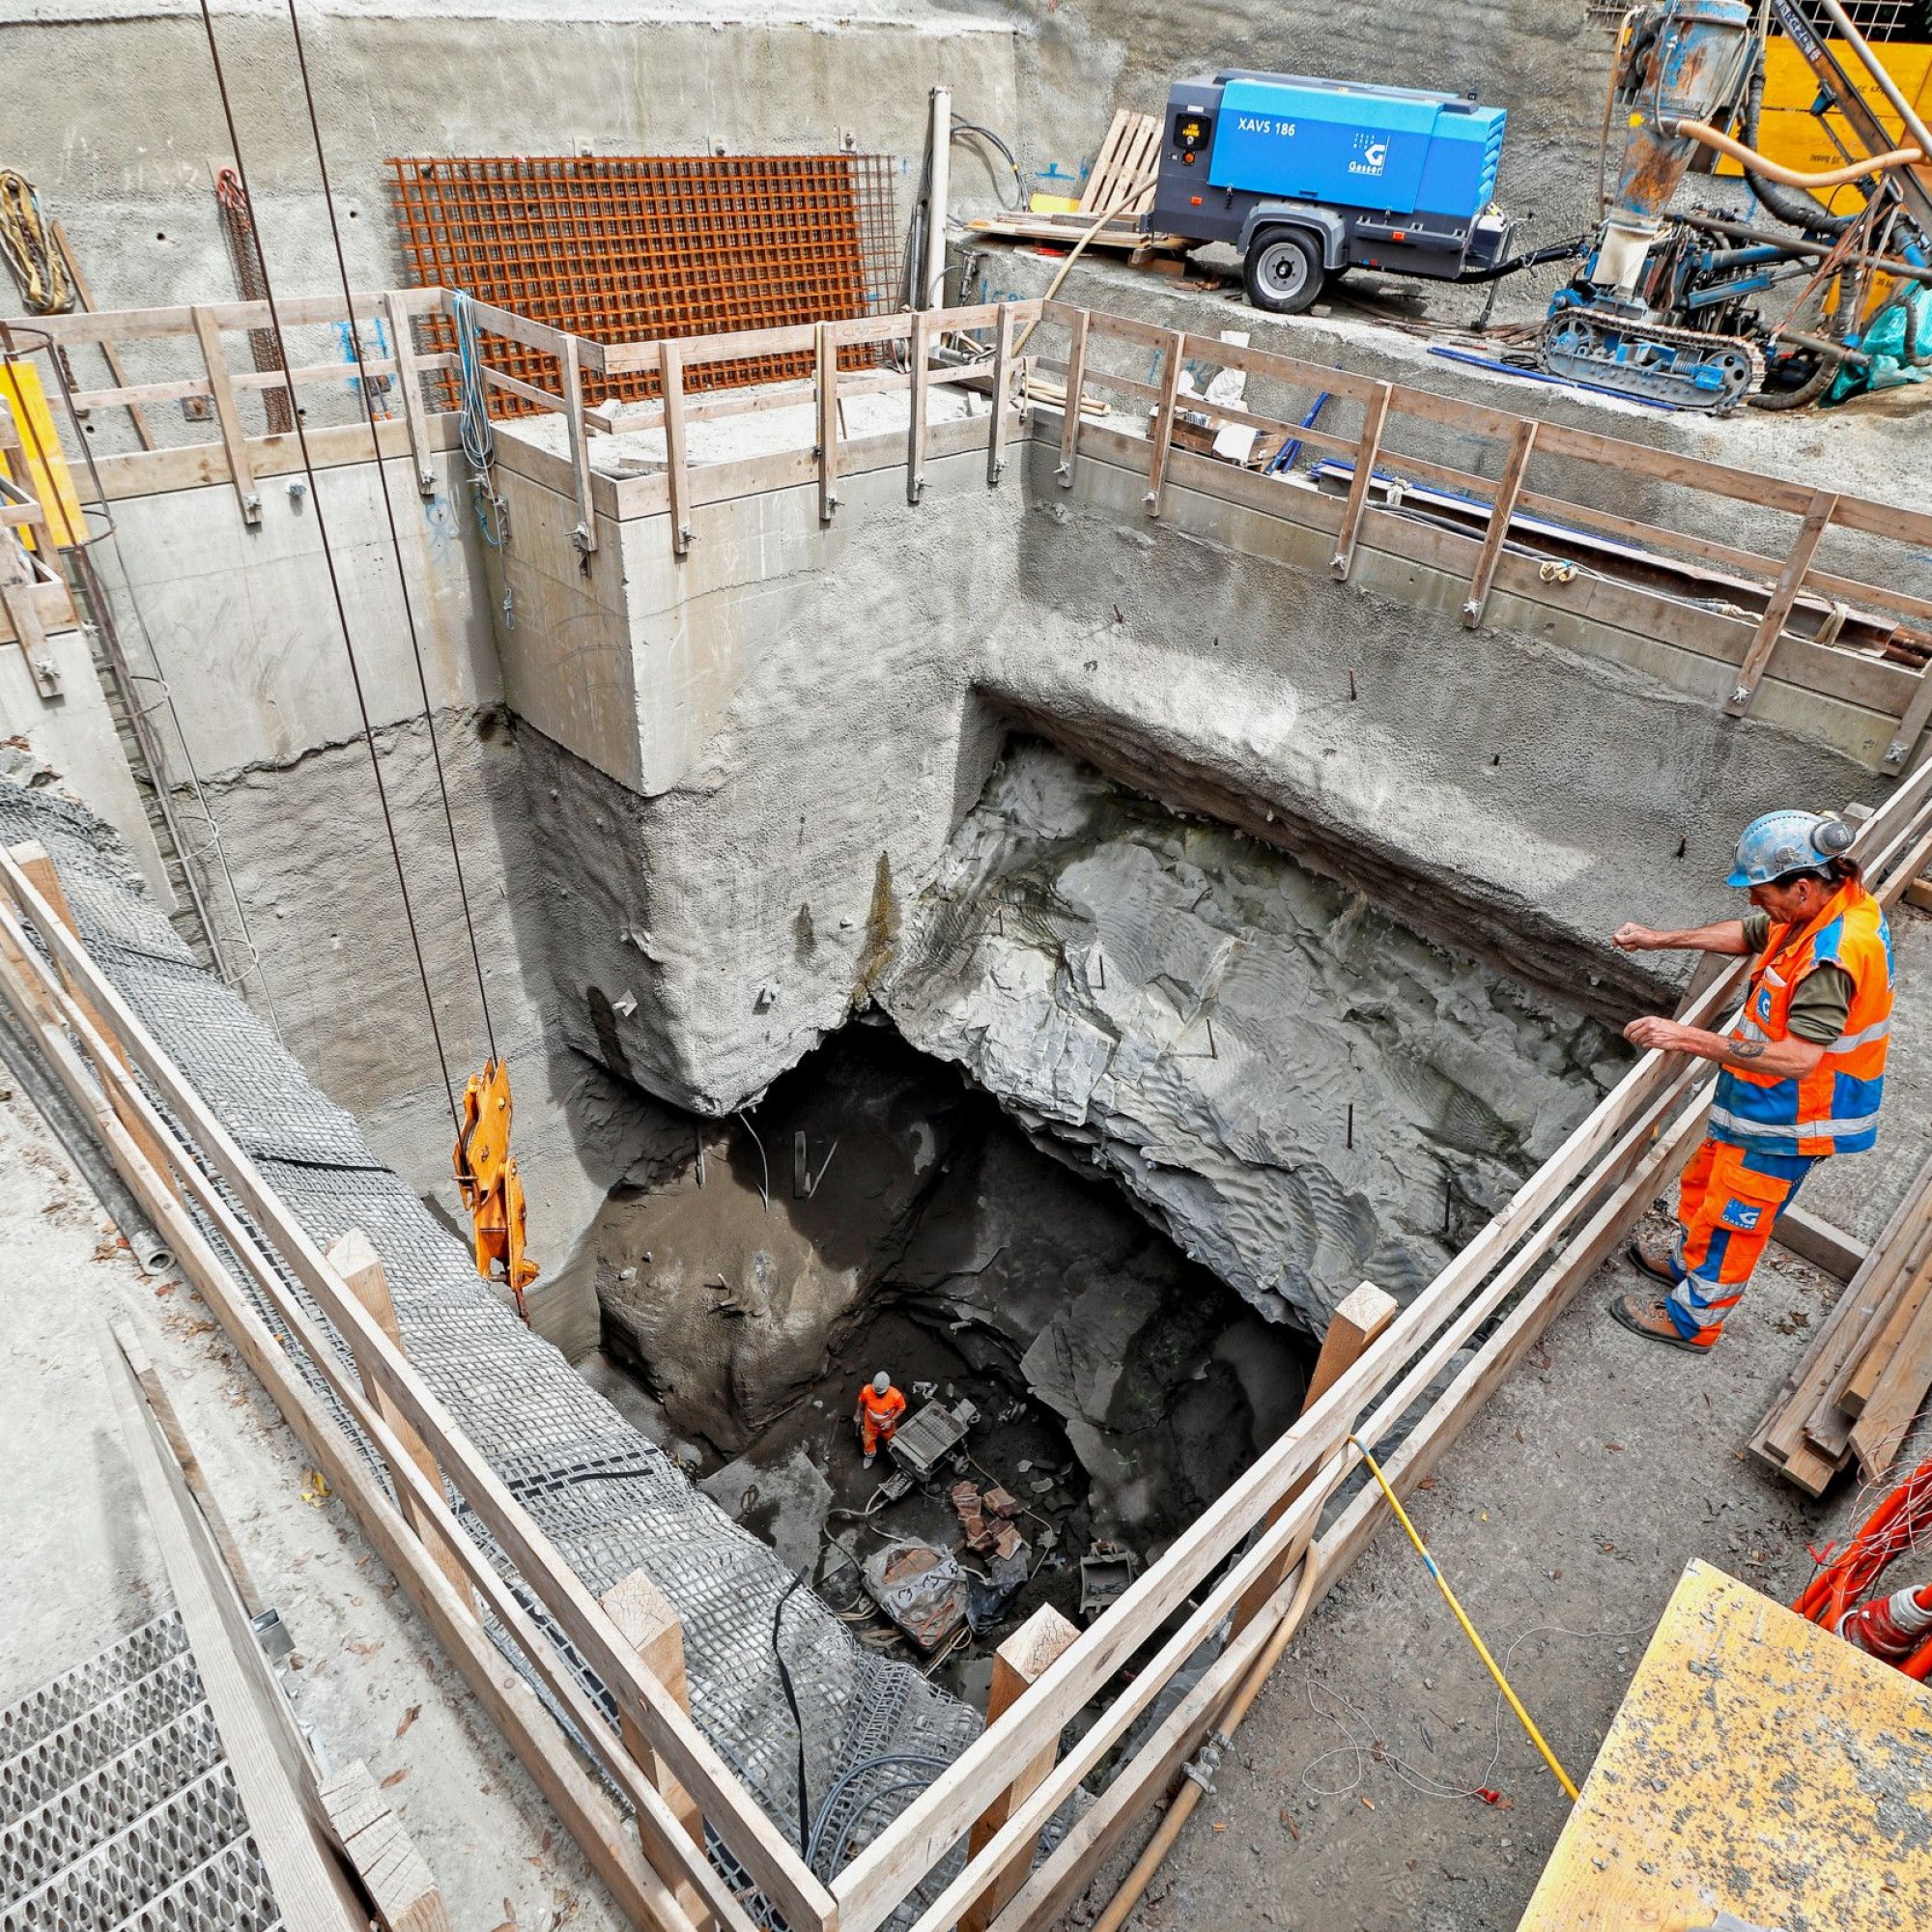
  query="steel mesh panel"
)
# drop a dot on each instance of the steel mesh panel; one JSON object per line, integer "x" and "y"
{"x": 59, "y": 1703}
{"x": 608, "y": 1499}
{"x": 636, "y": 248}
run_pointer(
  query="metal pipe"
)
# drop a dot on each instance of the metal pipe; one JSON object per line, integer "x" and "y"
{"x": 21, "y": 1058}
{"x": 939, "y": 187}
{"x": 1743, "y": 230}
{"x": 1769, "y": 170}
{"x": 1885, "y": 85}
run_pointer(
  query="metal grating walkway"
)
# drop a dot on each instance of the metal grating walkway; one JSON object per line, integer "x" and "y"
{"x": 118, "y": 1811}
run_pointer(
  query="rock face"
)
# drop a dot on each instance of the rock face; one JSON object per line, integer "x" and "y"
{"x": 1301, "y": 1092}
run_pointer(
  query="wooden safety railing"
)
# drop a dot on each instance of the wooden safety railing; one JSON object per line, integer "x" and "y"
{"x": 1782, "y": 582}
{"x": 33, "y": 597}
{"x": 73, "y": 1010}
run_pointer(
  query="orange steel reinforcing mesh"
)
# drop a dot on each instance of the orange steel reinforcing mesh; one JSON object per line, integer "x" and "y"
{"x": 632, "y": 248}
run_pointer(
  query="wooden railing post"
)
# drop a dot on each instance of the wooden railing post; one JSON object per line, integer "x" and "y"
{"x": 918, "y": 348}
{"x": 1161, "y": 438}
{"x": 228, "y": 415}
{"x": 1375, "y": 419}
{"x": 1777, "y": 612}
{"x": 1002, "y": 382}
{"x": 677, "y": 474}
{"x": 646, "y": 1621}
{"x": 1076, "y": 376}
{"x": 826, "y": 377}
{"x": 409, "y": 383}
{"x": 569, "y": 367}
{"x": 354, "y": 1257}
{"x": 1017, "y": 1664}
{"x": 33, "y": 860}
{"x": 1508, "y": 489}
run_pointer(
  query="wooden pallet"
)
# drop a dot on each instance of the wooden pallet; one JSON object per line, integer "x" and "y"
{"x": 1130, "y": 151}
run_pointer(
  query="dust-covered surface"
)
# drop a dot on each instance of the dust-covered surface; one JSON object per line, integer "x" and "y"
{"x": 1304, "y": 1093}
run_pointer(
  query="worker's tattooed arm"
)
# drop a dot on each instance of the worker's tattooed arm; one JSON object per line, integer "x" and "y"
{"x": 1782, "y": 1059}
{"x": 1727, "y": 936}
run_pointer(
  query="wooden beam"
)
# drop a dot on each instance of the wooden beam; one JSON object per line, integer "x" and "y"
{"x": 393, "y": 1873}
{"x": 1360, "y": 1317}
{"x": 228, "y": 417}
{"x": 1160, "y": 432}
{"x": 409, "y": 380}
{"x": 568, "y": 354}
{"x": 525, "y": 1724}
{"x": 648, "y": 1621}
{"x": 354, "y": 1257}
{"x": 825, "y": 384}
{"x": 1076, "y": 375}
{"x": 1375, "y": 419}
{"x": 106, "y": 347}
{"x": 1911, "y": 727}
{"x": 1509, "y": 488}
{"x": 37, "y": 868}
{"x": 1813, "y": 1238}
{"x": 1002, "y": 382}
{"x": 1017, "y": 1665}
{"x": 917, "y": 349}
{"x": 677, "y": 476}
{"x": 259, "y": 1738}
{"x": 1757, "y": 659}
{"x": 751, "y": 1836}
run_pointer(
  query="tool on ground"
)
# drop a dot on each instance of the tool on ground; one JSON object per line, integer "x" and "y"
{"x": 1309, "y": 177}
{"x": 28, "y": 242}
{"x": 493, "y": 1191}
{"x": 1470, "y": 1630}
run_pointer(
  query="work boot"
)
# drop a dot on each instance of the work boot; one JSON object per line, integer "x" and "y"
{"x": 1650, "y": 1314}
{"x": 870, "y": 1460}
{"x": 1657, "y": 1261}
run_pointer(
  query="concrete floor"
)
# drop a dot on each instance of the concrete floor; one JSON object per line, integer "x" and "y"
{"x": 78, "y": 1564}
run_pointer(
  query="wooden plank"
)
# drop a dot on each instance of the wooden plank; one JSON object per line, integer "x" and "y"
{"x": 648, "y": 1621}
{"x": 1161, "y": 438}
{"x": 585, "y": 534}
{"x": 1814, "y": 1239}
{"x": 1375, "y": 419}
{"x": 525, "y": 1724}
{"x": 102, "y": 325}
{"x": 1360, "y": 1317}
{"x": 751, "y": 1836}
{"x": 393, "y": 1873}
{"x": 1790, "y": 582}
{"x": 1101, "y": 178}
{"x": 228, "y": 417}
{"x": 409, "y": 380}
{"x": 1523, "y": 447}
{"x": 1911, "y": 726}
{"x": 192, "y": 465}
{"x": 109, "y": 352}
{"x": 258, "y": 1739}
{"x": 677, "y": 473}
{"x": 1881, "y": 1344}
{"x": 1017, "y": 1665}
{"x": 354, "y": 1257}
{"x": 826, "y": 385}
{"x": 916, "y": 430}
{"x": 1726, "y": 1707}
{"x": 1055, "y": 1885}
{"x": 1896, "y": 1397}
{"x": 37, "y": 868}
{"x": 513, "y": 386}
{"x": 1077, "y": 373}
{"x": 1002, "y": 382}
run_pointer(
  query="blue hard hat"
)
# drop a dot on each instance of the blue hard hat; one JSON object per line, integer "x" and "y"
{"x": 1777, "y": 843}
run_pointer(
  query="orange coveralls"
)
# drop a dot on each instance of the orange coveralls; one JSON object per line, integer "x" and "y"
{"x": 880, "y": 1416}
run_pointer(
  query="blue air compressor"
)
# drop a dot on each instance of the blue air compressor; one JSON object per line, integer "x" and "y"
{"x": 1309, "y": 177}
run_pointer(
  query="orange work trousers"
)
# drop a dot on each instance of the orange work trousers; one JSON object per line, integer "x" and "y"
{"x": 1728, "y": 1205}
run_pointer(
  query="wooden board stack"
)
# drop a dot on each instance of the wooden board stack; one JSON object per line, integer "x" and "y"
{"x": 1129, "y": 155}
{"x": 1861, "y": 1385}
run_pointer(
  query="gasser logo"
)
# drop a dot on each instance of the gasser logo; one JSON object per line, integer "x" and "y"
{"x": 1371, "y": 156}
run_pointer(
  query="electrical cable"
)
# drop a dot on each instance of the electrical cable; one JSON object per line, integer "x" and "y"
{"x": 790, "y": 1695}
{"x": 986, "y": 135}
{"x": 368, "y": 395}
{"x": 335, "y": 588}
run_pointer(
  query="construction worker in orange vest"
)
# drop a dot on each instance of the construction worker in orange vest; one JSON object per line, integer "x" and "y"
{"x": 1802, "y": 1070}
{"x": 877, "y": 1415}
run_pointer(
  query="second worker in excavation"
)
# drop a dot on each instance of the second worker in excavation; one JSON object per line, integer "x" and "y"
{"x": 1802, "y": 1070}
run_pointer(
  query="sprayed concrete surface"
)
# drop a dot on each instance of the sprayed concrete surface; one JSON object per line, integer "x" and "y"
{"x": 79, "y": 1564}
{"x": 1305, "y": 1093}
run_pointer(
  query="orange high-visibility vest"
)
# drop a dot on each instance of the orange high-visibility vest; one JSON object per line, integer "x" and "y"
{"x": 1834, "y": 1108}
{"x": 882, "y": 1411}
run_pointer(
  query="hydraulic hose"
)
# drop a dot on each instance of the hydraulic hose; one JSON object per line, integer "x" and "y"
{"x": 1789, "y": 205}
{"x": 1762, "y": 168}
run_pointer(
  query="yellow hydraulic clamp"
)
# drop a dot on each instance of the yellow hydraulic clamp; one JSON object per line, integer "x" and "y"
{"x": 486, "y": 1172}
